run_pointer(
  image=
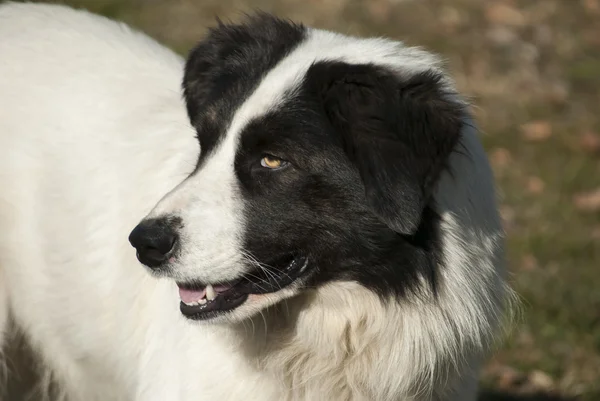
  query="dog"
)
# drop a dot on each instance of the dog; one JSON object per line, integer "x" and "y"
{"x": 287, "y": 214}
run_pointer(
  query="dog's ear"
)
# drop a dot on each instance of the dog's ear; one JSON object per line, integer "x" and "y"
{"x": 399, "y": 131}
{"x": 232, "y": 57}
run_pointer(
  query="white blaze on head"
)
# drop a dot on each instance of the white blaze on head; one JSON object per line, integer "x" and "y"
{"x": 209, "y": 202}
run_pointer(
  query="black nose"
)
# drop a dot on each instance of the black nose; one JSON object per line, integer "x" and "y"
{"x": 154, "y": 240}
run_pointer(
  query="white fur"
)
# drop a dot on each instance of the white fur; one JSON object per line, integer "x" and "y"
{"x": 93, "y": 132}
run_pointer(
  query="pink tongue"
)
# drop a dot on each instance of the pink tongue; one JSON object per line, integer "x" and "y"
{"x": 189, "y": 296}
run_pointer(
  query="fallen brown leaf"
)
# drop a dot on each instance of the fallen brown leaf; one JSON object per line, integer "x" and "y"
{"x": 450, "y": 17}
{"x": 590, "y": 142}
{"x": 537, "y": 130}
{"x": 529, "y": 262}
{"x": 511, "y": 379}
{"x": 500, "y": 13}
{"x": 380, "y": 9}
{"x": 540, "y": 380}
{"x": 592, "y": 6}
{"x": 500, "y": 158}
{"x": 588, "y": 201}
{"x": 535, "y": 185}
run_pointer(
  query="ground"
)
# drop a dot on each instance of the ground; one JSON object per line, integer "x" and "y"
{"x": 532, "y": 72}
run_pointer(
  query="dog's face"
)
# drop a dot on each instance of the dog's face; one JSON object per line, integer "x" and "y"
{"x": 319, "y": 155}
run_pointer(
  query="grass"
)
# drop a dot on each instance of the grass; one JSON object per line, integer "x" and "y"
{"x": 520, "y": 62}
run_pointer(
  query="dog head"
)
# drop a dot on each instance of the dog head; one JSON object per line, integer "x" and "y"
{"x": 319, "y": 159}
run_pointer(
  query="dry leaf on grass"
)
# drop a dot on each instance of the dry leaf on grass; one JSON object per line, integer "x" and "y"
{"x": 529, "y": 262}
{"x": 504, "y": 14}
{"x": 380, "y": 10}
{"x": 535, "y": 185}
{"x": 537, "y": 130}
{"x": 591, "y": 6}
{"x": 450, "y": 17}
{"x": 588, "y": 201}
{"x": 589, "y": 142}
{"x": 500, "y": 158}
{"x": 510, "y": 379}
{"x": 506, "y": 377}
{"x": 541, "y": 381}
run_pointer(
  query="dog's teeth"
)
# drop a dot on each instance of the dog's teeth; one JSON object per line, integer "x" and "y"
{"x": 210, "y": 292}
{"x": 202, "y": 301}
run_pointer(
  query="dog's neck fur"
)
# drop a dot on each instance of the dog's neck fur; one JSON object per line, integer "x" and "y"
{"x": 339, "y": 342}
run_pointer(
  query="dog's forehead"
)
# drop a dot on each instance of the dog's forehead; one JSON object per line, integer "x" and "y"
{"x": 289, "y": 74}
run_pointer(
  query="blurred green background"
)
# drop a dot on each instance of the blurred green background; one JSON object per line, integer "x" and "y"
{"x": 532, "y": 71}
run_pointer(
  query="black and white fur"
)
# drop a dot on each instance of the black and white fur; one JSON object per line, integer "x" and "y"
{"x": 369, "y": 266}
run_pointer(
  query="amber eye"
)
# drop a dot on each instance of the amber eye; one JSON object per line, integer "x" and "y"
{"x": 271, "y": 162}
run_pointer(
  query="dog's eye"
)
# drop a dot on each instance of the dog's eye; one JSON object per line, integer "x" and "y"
{"x": 272, "y": 162}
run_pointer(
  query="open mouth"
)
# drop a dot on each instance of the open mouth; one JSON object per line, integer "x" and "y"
{"x": 202, "y": 301}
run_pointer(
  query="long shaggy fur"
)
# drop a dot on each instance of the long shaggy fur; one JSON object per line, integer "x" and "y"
{"x": 94, "y": 132}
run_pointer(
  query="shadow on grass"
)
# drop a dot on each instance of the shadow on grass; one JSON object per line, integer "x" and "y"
{"x": 493, "y": 395}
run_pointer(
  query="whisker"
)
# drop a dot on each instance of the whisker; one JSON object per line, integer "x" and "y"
{"x": 258, "y": 278}
{"x": 265, "y": 322}
{"x": 256, "y": 263}
{"x": 266, "y": 268}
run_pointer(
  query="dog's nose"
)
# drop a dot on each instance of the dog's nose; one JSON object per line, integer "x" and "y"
{"x": 154, "y": 240}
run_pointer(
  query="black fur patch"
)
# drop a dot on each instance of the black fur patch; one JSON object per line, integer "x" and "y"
{"x": 398, "y": 131}
{"x": 366, "y": 148}
{"x": 224, "y": 69}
